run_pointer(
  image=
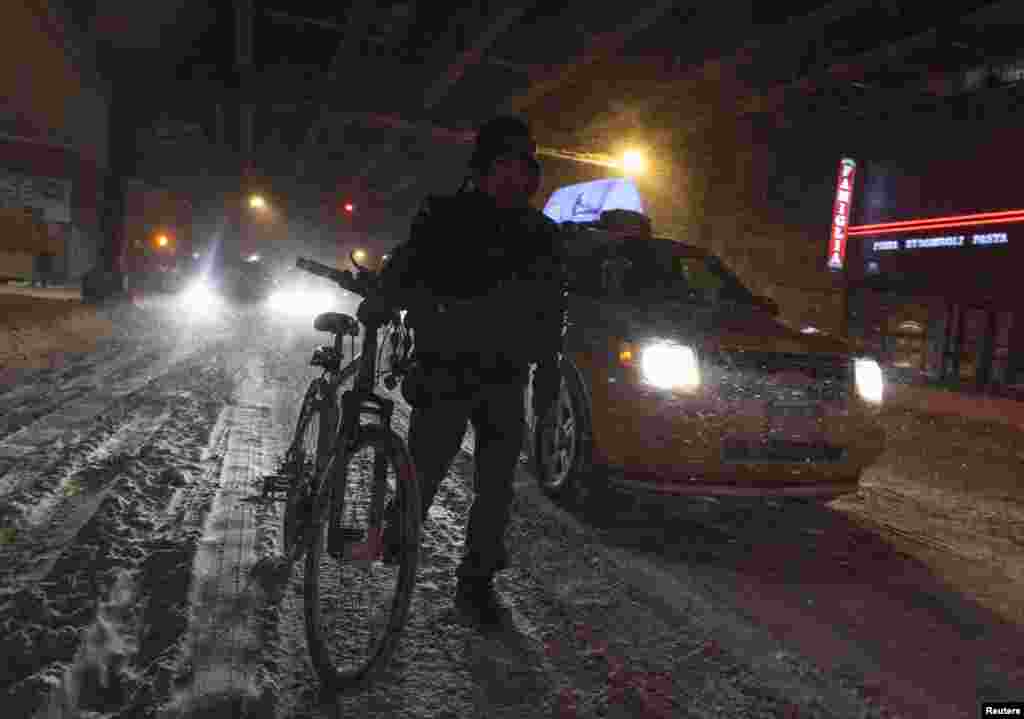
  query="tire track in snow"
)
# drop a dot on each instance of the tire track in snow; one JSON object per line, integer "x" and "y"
{"x": 46, "y": 502}
{"x": 34, "y": 449}
{"x": 142, "y": 533}
{"x": 36, "y": 400}
{"x": 51, "y": 524}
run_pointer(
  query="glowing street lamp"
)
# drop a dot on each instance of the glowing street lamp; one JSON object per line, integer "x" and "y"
{"x": 360, "y": 255}
{"x": 161, "y": 240}
{"x": 257, "y": 202}
{"x": 633, "y": 162}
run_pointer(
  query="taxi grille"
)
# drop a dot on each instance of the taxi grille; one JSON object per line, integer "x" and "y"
{"x": 781, "y": 451}
{"x": 767, "y": 376}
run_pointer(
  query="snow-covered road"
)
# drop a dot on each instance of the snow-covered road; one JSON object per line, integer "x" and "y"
{"x": 125, "y": 558}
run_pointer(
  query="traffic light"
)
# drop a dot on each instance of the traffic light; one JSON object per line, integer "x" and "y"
{"x": 163, "y": 241}
{"x": 346, "y": 215}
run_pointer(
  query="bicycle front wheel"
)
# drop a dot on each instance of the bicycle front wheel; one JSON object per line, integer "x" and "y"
{"x": 307, "y": 456}
{"x": 362, "y": 558}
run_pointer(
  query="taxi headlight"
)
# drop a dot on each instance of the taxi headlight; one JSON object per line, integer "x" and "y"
{"x": 869, "y": 380}
{"x": 670, "y": 366}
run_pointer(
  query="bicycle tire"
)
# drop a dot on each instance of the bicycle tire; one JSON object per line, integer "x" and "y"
{"x": 313, "y": 435}
{"x": 322, "y": 633}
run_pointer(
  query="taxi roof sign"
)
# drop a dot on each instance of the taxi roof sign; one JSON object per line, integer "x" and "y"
{"x": 584, "y": 202}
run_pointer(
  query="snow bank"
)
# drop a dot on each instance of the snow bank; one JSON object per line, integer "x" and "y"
{"x": 36, "y": 331}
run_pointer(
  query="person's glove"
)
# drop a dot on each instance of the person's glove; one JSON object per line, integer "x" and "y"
{"x": 547, "y": 383}
{"x": 375, "y": 310}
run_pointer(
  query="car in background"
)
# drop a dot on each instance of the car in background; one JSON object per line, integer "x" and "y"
{"x": 246, "y": 280}
{"x": 678, "y": 380}
{"x": 235, "y": 281}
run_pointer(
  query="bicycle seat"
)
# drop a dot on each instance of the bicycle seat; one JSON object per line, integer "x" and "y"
{"x": 336, "y": 323}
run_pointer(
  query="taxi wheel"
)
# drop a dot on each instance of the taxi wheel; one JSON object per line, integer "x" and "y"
{"x": 561, "y": 445}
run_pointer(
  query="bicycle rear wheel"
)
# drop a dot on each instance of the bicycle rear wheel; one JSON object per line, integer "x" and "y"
{"x": 356, "y": 603}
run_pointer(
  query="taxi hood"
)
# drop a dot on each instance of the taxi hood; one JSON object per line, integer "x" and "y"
{"x": 746, "y": 328}
{"x": 723, "y": 326}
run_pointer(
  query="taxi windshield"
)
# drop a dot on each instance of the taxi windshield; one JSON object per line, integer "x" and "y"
{"x": 658, "y": 270}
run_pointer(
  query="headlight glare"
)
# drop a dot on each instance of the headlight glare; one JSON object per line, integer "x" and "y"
{"x": 199, "y": 297}
{"x": 670, "y": 366}
{"x": 869, "y": 380}
{"x": 297, "y": 303}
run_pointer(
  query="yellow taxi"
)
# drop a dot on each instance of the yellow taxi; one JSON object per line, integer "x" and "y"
{"x": 679, "y": 380}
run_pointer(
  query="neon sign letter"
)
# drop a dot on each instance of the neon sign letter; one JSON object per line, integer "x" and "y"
{"x": 841, "y": 214}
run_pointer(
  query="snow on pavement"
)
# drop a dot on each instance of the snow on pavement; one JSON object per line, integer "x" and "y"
{"x": 146, "y": 609}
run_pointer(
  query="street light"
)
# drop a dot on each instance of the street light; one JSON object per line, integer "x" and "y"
{"x": 256, "y": 202}
{"x": 161, "y": 240}
{"x": 633, "y": 162}
{"x": 360, "y": 255}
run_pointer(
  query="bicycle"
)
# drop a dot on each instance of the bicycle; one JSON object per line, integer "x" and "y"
{"x": 337, "y": 501}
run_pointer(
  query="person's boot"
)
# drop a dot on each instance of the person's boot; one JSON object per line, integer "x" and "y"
{"x": 476, "y": 598}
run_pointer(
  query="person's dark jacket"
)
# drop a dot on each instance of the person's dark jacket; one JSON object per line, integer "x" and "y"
{"x": 484, "y": 287}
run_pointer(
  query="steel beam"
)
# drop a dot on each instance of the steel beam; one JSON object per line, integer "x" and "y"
{"x": 494, "y": 28}
{"x": 598, "y": 48}
{"x": 852, "y": 68}
{"x": 508, "y": 17}
{"x": 355, "y": 21}
{"x": 300, "y": 21}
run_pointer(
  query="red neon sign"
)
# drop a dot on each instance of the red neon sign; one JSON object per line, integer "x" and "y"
{"x": 841, "y": 214}
{"x": 938, "y": 223}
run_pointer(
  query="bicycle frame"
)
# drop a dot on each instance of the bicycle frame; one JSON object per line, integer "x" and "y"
{"x": 356, "y": 402}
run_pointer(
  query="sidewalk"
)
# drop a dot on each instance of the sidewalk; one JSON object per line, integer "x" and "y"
{"x": 979, "y": 408}
{"x": 59, "y": 292}
{"x": 38, "y": 325}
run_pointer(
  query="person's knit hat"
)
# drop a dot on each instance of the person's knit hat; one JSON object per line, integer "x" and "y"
{"x": 505, "y": 135}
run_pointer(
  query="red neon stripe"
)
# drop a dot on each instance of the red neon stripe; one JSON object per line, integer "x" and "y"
{"x": 960, "y": 219}
{"x": 862, "y": 230}
{"x": 945, "y": 226}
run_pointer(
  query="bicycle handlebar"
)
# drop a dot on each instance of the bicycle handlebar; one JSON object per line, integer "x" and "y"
{"x": 344, "y": 278}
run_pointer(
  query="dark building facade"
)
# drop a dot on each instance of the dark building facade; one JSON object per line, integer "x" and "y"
{"x": 53, "y": 144}
{"x": 934, "y": 265}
